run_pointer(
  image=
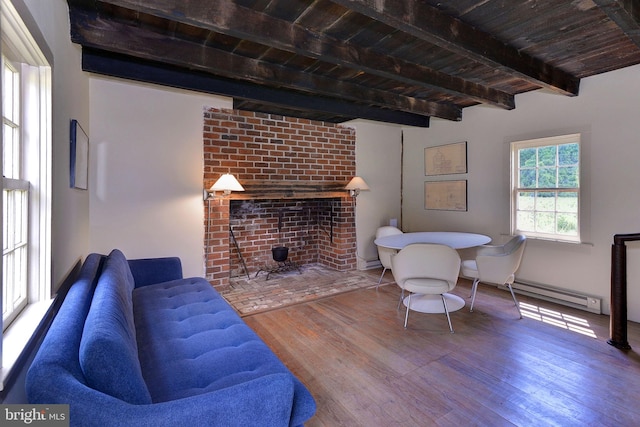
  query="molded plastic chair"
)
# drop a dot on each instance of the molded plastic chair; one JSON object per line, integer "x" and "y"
{"x": 385, "y": 254}
{"x": 496, "y": 264}
{"x": 426, "y": 268}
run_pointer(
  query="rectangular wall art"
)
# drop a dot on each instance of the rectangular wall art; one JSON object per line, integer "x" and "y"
{"x": 446, "y": 195}
{"x": 446, "y": 159}
{"x": 79, "y": 159}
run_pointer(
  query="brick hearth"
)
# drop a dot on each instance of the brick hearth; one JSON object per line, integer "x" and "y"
{"x": 293, "y": 171}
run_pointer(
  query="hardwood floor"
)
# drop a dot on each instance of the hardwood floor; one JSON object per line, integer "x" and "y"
{"x": 551, "y": 368}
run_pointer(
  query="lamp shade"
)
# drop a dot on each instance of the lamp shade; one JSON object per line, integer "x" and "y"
{"x": 357, "y": 183}
{"x": 227, "y": 182}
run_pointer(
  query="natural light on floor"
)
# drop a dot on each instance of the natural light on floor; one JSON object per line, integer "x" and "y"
{"x": 556, "y": 318}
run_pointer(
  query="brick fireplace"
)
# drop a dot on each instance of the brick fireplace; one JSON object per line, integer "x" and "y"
{"x": 294, "y": 171}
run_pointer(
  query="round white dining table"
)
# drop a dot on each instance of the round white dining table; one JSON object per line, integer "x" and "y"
{"x": 456, "y": 240}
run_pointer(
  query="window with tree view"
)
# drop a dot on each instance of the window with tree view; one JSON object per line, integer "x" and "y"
{"x": 545, "y": 185}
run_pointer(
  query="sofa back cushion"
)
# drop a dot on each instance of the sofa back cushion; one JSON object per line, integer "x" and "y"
{"x": 108, "y": 350}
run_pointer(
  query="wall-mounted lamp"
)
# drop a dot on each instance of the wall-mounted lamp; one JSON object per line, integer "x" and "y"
{"x": 356, "y": 185}
{"x": 226, "y": 183}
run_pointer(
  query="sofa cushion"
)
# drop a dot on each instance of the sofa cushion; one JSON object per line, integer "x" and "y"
{"x": 148, "y": 271}
{"x": 192, "y": 341}
{"x": 108, "y": 350}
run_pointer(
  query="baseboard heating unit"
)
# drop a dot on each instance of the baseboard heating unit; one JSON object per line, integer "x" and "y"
{"x": 559, "y": 296}
{"x": 371, "y": 264}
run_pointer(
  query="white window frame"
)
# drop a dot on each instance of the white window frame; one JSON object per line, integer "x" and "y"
{"x": 15, "y": 198}
{"x": 515, "y": 189}
{"x": 35, "y": 120}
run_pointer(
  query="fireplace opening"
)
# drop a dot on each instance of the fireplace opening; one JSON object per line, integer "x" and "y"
{"x": 281, "y": 235}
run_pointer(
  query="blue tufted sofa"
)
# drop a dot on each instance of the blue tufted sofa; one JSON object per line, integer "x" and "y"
{"x": 135, "y": 344}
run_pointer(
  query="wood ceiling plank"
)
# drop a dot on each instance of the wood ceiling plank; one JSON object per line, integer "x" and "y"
{"x": 428, "y": 23}
{"x": 626, "y": 14}
{"x": 237, "y": 21}
{"x": 423, "y": 56}
{"x": 156, "y": 47}
{"x": 309, "y": 106}
{"x": 259, "y": 72}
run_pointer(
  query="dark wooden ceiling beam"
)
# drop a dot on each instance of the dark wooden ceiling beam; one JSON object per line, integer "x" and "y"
{"x": 89, "y": 30}
{"x": 131, "y": 68}
{"x": 428, "y": 23}
{"x": 625, "y": 13}
{"x": 237, "y": 21}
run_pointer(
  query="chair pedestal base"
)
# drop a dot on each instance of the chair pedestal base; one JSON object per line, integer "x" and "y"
{"x": 433, "y": 303}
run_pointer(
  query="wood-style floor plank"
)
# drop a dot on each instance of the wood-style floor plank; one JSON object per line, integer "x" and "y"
{"x": 365, "y": 369}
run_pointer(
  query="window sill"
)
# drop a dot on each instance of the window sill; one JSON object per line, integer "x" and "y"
{"x": 568, "y": 242}
{"x": 551, "y": 239}
{"x": 17, "y": 336}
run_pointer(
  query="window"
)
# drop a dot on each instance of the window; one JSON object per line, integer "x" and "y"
{"x": 545, "y": 188}
{"x": 26, "y": 169}
{"x": 15, "y": 200}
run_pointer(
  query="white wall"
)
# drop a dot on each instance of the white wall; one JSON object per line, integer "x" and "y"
{"x": 606, "y": 113}
{"x": 146, "y": 170}
{"x": 378, "y": 161}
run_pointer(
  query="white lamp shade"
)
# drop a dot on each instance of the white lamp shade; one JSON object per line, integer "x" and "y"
{"x": 357, "y": 183}
{"x": 227, "y": 182}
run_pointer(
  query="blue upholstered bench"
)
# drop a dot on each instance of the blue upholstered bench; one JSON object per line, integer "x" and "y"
{"x": 136, "y": 344}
